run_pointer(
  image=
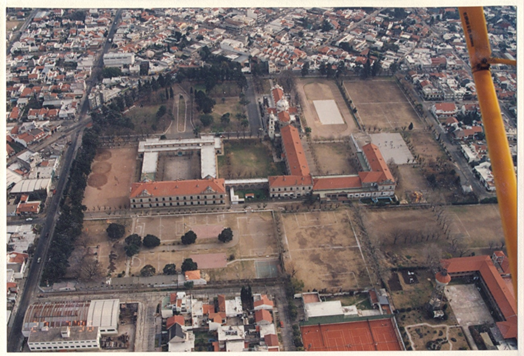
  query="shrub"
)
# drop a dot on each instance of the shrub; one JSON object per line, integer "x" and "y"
{"x": 115, "y": 231}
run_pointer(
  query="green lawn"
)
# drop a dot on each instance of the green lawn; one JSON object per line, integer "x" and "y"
{"x": 260, "y": 194}
{"x": 247, "y": 159}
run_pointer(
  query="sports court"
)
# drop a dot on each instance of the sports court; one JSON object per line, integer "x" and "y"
{"x": 266, "y": 269}
{"x": 368, "y": 335}
{"x": 207, "y": 231}
{"x": 392, "y": 147}
{"x": 210, "y": 260}
{"x": 328, "y": 112}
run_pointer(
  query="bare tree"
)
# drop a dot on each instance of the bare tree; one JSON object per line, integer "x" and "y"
{"x": 432, "y": 255}
{"x": 90, "y": 269}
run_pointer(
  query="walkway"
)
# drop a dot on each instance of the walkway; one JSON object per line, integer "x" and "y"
{"x": 466, "y": 333}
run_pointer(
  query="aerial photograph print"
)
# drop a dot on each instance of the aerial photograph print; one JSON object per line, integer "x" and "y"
{"x": 311, "y": 179}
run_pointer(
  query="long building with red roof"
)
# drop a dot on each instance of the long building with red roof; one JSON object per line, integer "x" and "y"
{"x": 497, "y": 290}
{"x": 178, "y": 193}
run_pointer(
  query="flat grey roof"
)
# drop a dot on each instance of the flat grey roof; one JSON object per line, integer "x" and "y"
{"x": 31, "y": 185}
{"x": 77, "y": 333}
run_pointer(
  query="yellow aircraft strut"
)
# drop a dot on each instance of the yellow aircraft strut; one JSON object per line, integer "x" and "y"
{"x": 476, "y": 33}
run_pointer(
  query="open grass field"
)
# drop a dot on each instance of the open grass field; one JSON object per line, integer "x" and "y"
{"x": 334, "y": 158}
{"x": 381, "y": 104}
{"x": 253, "y": 241}
{"x": 480, "y": 225}
{"x": 477, "y": 226}
{"x": 112, "y": 172}
{"x": 144, "y": 119}
{"x": 323, "y": 251}
{"x": 224, "y": 89}
{"x": 247, "y": 159}
{"x": 412, "y": 180}
{"x": 230, "y": 105}
{"x": 311, "y": 89}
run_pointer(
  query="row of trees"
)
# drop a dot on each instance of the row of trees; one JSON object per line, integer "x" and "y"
{"x": 220, "y": 69}
{"x": 70, "y": 223}
{"x": 190, "y": 237}
{"x": 170, "y": 268}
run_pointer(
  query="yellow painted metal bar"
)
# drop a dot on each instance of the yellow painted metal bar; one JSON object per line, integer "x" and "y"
{"x": 510, "y": 62}
{"x": 476, "y": 33}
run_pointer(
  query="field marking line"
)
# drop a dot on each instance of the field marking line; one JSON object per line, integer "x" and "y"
{"x": 359, "y": 247}
{"x": 461, "y": 223}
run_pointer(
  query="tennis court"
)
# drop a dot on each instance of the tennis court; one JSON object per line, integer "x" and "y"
{"x": 368, "y": 335}
{"x": 266, "y": 269}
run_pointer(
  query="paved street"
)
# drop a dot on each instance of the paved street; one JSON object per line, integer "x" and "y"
{"x": 252, "y": 108}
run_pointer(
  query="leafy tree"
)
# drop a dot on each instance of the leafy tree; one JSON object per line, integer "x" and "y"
{"x": 171, "y": 93}
{"x": 308, "y": 130}
{"x": 204, "y": 103}
{"x": 322, "y": 68}
{"x": 376, "y": 68}
{"x": 196, "y": 130}
{"x": 410, "y": 127}
{"x": 225, "y": 119}
{"x": 147, "y": 271}
{"x": 189, "y": 265}
{"x": 189, "y": 284}
{"x": 133, "y": 243}
{"x": 305, "y": 69}
{"x": 110, "y": 72}
{"x": 189, "y": 238}
{"x": 206, "y": 120}
{"x": 151, "y": 241}
{"x": 161, "y": 111}
{"x": 246, "y": 296}
{"x": 115, "y": 231}
{"x": 226, "y": 235}
{"x": 170, "y": 269}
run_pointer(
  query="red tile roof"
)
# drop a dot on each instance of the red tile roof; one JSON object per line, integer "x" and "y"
{"x": 263, "y": 301}
{"x": 284, "y": 116}
{"x": 496, "y": 285}
{"x": 172, "y": 298}
{"x": 294, "y": 151}
{"x": 33, "y": 207}
{"x": 174, "y": 188}
{"x": 221, "y": 303}
{"x": 289, "y": 181}
{"x": 208, "y": 309}
{"x": 271, "y": 340}
{"x": 277, "y": 94}
{"x": 377, "y": 162}
{"x": 446, "y": 107}
{"x": 336, "y": 183}
{"x": 17, "y": 257}
{"x": 192, "y": 275}
{"x": 263, "y": 314}
{"x": 178, "y": 319}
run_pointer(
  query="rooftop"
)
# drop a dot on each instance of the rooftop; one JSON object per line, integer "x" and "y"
{"x": 177, "y": 188}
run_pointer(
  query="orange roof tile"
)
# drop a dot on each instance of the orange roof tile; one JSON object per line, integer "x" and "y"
{"x": 221, "y": 303}
{"x": 347, "y": 182}
{"x": 192, "y": 275}
{"x": 495, "y": 283}
{"x": 174, "y": 188}
{"x": 263, "y": 301}
{"x": 289, "y": 181}
{"x": 178, "y": 319}
{"x": 447, "y": 107}
{"x": 284, "y": 116}
{"x": 271, "y": 340}
{"x": 263, "y": 314}
{"x": 172, "y": 298}
{"x": 377, "y": 162}
{"x": 294, "y": 151}
{"x": 208, "y": 309}
{"x": 277, "y": 94}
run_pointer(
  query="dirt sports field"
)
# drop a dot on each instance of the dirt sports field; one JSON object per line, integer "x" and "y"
{"x": 112, "y": 172}
{"x": 323, "y": 251}
{"x": 334, "y": 158}
{"x": 478, "y": 225}
{"x": 253, "y": 242}
{"x": 381, "y": 104}
{"x": 311, "y": 89}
